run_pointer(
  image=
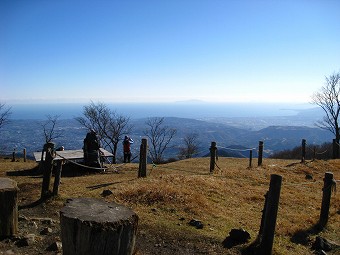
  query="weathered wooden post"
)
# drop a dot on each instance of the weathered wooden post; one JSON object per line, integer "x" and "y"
{"x": 271, "y": 210}
{"x": 25, "y": 155}
{"x": 303, "y": 150}
{"x": 259, "y": 160}
{"x": 13, "y": 156}
{"x": 326, "y": 198}
{"x": 213, "y": 150}
{"x": 57, "y": 177}
{"x": 250, "y": 157}
{"x": 143, "y": 158}
{"x": 47, "y": 169}
{"x": 92, "y": 226}
{"x": 8, "y": 207}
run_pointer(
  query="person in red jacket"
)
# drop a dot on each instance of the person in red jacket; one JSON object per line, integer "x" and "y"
{"x": 127, "y": 150}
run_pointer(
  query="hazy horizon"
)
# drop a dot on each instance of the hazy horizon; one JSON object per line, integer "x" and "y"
{"x": 177, "y": 109}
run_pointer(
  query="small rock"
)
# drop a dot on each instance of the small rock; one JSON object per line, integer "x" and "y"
{"x": 46, "y": 231}
{"x": 239, "y": 235}
{"x": 26, "y": 241}
{"x": 106, "y": 193}
{"x": 236, "y": 236}
{"x": 196, "y": 223}
{"x": 9, "y": 252}
{"x": 56, "y": 246}
{"x": 309, "y": 177}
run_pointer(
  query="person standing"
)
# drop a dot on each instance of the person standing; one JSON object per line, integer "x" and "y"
{"x": 127, "y": 149}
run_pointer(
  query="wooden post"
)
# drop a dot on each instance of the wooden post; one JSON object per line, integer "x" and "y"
{"x": 250, "y": 158}
{"x": 259, "y": 161}
{"x": 92, "y": 226}
{"x": 269, "y": 223}
{"x": 47, "y": 170}
{"x": 8, "y": 207}
{"x": 143, "y": 158}
{"x": 263, "y": 214}
{"x": 57, "y": 177}
{"x": 13, "y": 156}
{"x": 326, "y": 198}
{"x": 303, "y": 150}
{"x": 212, "y": 156}
{"x": 25, "y": 155}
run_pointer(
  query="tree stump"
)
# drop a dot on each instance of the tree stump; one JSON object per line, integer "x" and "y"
{"x": 92, "y": 226}
{"x": 8, "y": 207}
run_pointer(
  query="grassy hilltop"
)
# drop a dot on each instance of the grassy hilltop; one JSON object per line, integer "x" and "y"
{"x": 175, "y": 193}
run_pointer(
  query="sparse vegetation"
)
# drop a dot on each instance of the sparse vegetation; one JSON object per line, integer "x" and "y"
{"x": 323, "y": 151}
{"x": 177, "y": 192}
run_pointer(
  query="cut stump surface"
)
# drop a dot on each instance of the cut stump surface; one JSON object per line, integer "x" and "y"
{"x": 93, "y": 226}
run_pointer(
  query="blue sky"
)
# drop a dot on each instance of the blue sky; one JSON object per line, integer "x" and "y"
{"x": 167, "y": 50}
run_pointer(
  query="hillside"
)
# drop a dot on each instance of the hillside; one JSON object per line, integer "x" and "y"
{"x": 28, "y": 134}
{"x": 175, "y": 193}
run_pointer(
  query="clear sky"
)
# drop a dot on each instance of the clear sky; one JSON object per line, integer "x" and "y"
{"x": 167, "y": 50}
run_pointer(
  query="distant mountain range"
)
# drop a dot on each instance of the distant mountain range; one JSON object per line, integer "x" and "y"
{"x": 232, "y": 140}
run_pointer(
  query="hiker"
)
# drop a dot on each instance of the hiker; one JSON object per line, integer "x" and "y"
{"x": 91, "y": 149}
{"x": 127, "y": 151}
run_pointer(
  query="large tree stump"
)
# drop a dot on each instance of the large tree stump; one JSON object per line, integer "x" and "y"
{"x": 92, "y": 226}
{"x": 8, "y": 207}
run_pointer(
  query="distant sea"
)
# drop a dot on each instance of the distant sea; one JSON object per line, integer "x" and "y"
{"x": 144, "y": 110}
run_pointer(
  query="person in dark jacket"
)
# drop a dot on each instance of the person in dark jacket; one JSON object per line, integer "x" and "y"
{"x": 127, "y": 149}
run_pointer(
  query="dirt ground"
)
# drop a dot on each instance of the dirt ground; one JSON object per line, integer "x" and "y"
{"x": 39, "y": 233}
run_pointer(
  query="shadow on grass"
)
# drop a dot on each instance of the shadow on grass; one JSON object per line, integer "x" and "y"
{"x": 68, "y": 170}
{"x": 26, "y": 172}
{"x": 303, "y": 236}
{"x": 35, "y": 203}
{"x": 98, "y": 186}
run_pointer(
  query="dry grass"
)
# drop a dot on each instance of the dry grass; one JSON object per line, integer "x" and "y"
{"x": 232, "y": 197}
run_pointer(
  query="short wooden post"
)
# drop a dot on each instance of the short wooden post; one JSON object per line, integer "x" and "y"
{"x": 326, "y": 198}
{"x": 13, "y": 156}
{"x": 92, "y": 226}
{"x": 143, "y": 158}
{"x": 303, "y": 150}
{"x": 271, "y": 210}
{"x": 47, "y": 170}
{"x": 250, "y": 158}
{"x": 259, "y": 160}
{"x": 8, "y": 207}
{"x": 25, "y": 155}
{"x": 57, "y": 177}
{"x": 213, "y": 150}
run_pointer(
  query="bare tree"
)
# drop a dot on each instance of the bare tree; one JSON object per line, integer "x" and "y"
{"x": 49, "y": 128}
{"x": 109, "y": 125}
{"x": 190, "y": 146}
{"x": 328, "y": 99}
{"x": 5, "y": 113}
{"x": 160, "y": 137}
